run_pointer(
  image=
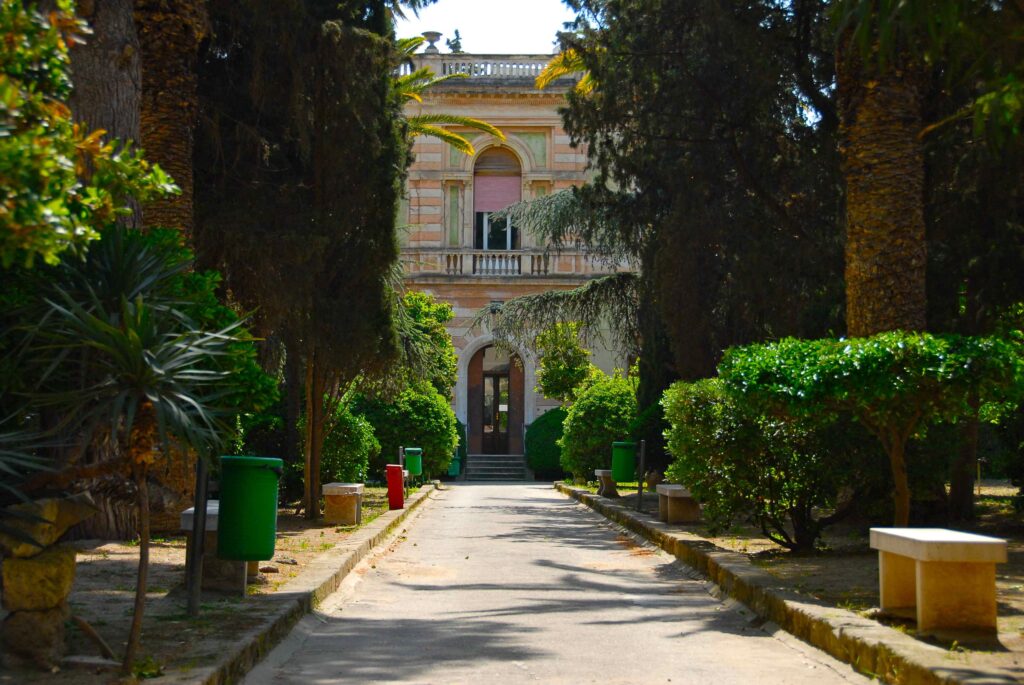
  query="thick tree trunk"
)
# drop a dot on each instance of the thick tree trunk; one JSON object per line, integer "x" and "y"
{"x": 883, "y": 162}
{"x": 107, "y": 76}
{"x": 170, "y": 32}
{"x": 106, "y": 70}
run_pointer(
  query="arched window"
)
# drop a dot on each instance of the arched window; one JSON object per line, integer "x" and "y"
{"x": 497, "y": 183}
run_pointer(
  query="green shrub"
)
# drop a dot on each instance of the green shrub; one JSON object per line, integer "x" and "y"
{"x": 50, "y": 203}
{"x": 346, "y": 453}
{"x": 542, "y": 451}
{"x": 418, "y": 417}
{"x": 563, "y": 364}
{"x": 462, "y": 449}
{"x": 602, "y": 414}
{"x": 895, "y": 384}
{"x": 786, "y": 475}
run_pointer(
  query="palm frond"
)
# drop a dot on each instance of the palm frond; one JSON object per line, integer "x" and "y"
{"x": 457, "y": 120}
{"x": 460, "y": 143}
{"x": 566, "y": 63}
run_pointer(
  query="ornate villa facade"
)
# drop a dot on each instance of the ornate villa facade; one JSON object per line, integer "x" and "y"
{"x": 454, "y": 250}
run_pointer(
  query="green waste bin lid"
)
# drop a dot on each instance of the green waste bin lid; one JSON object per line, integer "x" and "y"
{"x": 271, "y": 462}
{"x": 623, "y": 444}
{"x": 413, "y": 450}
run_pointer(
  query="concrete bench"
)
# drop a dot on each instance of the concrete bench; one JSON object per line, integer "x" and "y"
{"x": 605, "y": 484}
{"x": 343, "y": 503}
{"x": 946, "y": 577}
{"x": 222, "y": 575}
{"x": 676, "y": 504}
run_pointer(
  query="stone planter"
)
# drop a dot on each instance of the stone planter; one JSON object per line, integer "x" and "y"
{"x": 37, "y": 581}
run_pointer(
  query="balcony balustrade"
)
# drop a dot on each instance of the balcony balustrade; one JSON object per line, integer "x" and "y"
{"x": 525, "y": 263}
{"x": 492, "y": 67}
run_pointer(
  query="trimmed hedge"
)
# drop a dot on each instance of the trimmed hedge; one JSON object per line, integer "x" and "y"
{"x": 786, "y": 475}
{"x": 542, "y": 451}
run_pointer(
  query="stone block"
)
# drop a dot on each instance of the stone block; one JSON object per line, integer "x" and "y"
{"x": 606, "y": 486}
{"x": 35, "y": 637}
{"x": 947, "y": 577}
{"x": 53, "y": 518}
{"x": 38, "y": 583}
{"x": 343, "y": 503}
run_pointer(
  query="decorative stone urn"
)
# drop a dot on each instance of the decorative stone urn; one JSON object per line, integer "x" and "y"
{"x": 37, "y": 579}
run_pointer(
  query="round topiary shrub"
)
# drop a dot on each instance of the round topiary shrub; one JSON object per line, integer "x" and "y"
{"x": 602, "y": 414}
{"x": 418, "y": 417}
{"x": 542, "y": 451}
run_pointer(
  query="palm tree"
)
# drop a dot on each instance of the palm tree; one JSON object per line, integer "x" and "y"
{"x": 170, "y": 32}
{"x": 411, "y": 87}
{"x": 880, "y": 87}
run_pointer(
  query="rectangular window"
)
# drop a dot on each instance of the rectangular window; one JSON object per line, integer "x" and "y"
{"x": 494, "y": 234}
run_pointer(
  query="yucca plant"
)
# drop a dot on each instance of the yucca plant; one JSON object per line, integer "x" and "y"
{"x": 153, "y": 383}
{"x": 411, "y": 87}
{"x": 117, "y": 355}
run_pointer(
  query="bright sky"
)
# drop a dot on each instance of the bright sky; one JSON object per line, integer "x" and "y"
{"x": 492, "y": 26}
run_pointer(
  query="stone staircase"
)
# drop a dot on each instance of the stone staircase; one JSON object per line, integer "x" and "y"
{"x": 481, "y": 467}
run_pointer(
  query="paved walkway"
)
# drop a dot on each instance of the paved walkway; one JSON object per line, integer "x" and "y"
{"x": 516, "y": 583}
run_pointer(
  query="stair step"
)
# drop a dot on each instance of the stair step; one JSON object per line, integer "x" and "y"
{"x": 495, "y": 467}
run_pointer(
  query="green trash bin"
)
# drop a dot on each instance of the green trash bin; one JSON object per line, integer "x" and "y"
{"x": 623, "y": 461}
{"x": 414, "y": 461}
{"x": 247, "y": 518}
{"x": 455, "y": 467}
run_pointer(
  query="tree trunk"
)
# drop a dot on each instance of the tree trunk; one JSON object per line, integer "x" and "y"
{"x": 883, "y": 163}
{"x": 106, "y": 70}
{"x": 901, "y": 484}
{"x": 170, "y": 32}
{"x": 135, "y": 632}
{"x": 962, "y": 470}
{"x": 107, "y": 76}
{"x": 307, "y": 467}
{"x": 143, "y": 450}
{"x": 293, "y": 399}
{"x": 314, "y": 435}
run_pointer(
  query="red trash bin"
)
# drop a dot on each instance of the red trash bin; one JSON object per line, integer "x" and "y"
{"x": 396, "y": 489}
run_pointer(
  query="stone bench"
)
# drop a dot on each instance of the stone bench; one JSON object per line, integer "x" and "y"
{"x": 605, "y": 484}
{"x": 220, "y": 575}
{"x": 343, "y": 503}
{"x": 676, "y": 504}
{"x": 947, "y": 578}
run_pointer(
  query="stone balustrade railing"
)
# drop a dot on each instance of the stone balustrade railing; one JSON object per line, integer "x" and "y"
{"x": 498, "y": 67}
{"x": 469, "y": 262}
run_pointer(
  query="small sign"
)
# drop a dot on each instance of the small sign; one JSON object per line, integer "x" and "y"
{"x": 502, "y": 407}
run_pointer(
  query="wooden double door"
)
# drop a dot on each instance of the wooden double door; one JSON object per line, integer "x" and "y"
{"x": 496, "y": 398}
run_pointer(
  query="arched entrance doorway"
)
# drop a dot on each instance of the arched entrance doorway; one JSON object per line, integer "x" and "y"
{"x": 496, "y": 399}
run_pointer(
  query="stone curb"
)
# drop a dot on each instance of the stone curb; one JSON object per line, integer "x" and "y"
{"x": 296, "y": 598}
{"x": 868, "y": 646}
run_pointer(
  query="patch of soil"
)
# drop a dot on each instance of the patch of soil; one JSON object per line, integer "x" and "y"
{"x": 104, "y": 593}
